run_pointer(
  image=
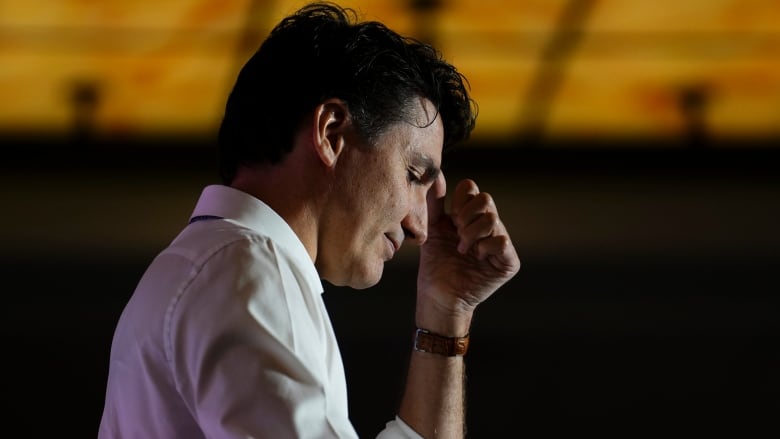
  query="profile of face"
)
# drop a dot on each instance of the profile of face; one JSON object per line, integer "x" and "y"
{"x": 378, "y": 199}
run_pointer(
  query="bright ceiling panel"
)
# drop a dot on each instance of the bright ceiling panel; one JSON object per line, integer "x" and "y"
{"x": 562, "y": 68}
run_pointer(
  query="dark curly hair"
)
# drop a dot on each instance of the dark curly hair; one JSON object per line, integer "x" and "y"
{"x": 320, "y": 52}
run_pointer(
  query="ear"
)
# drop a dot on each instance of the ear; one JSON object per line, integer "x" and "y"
{"x": 331, "y": 119}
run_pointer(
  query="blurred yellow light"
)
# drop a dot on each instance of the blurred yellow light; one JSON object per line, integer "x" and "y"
{"x": 167, "y": 67}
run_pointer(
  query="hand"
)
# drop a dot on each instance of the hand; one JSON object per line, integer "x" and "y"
{"x": 468, "y": 254}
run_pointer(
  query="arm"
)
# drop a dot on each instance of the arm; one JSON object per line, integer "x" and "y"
{"x": 467, "y": 257}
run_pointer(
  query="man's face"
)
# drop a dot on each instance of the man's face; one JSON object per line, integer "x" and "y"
{"x": 379, "y": 200}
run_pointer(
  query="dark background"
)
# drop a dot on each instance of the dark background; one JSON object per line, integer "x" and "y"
{"x": 647, "y": 301}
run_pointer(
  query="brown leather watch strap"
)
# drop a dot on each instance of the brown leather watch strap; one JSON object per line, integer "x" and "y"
{"x": 427, "y": 341}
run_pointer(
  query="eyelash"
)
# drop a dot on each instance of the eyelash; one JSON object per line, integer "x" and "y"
{"x": 413, "y": 178}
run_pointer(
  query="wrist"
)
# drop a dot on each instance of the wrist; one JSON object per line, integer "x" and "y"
{"x": 447, "y": 324}
{"x": 445, "y": 328}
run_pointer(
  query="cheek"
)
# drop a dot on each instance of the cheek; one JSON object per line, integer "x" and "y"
{"x": 398, "y": 199}
{"x": 417, "y": 201}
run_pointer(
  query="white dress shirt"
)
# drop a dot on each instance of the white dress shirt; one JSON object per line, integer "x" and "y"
{"x": 227, "y": 336}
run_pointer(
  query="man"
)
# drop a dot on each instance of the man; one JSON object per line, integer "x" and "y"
{"x": 330, "y": 152}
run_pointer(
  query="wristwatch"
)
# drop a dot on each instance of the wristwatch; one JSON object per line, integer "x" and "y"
{"x": 427, "y": 341}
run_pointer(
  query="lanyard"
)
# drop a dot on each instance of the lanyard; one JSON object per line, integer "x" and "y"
{"x": 204, "y": 218}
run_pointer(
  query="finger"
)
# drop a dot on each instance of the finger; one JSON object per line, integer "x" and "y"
{"x": 464, "y": 191}
{"x": 484, "y": 226}
{"x": 435, "y": 199}
{"x": 476, "y": 206}
{"x": 501, "y": 253}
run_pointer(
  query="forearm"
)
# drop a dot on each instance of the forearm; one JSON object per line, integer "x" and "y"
{"x": 433, "y": 402}
{"x": 434, "y": 397}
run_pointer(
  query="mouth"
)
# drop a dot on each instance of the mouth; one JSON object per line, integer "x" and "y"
{"x": 395, "y": 245}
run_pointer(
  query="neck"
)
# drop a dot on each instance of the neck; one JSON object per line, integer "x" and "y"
{"x": 287, "y": 188}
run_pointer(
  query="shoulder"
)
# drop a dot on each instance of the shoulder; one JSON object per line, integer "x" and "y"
{"x": 199, "y": 242}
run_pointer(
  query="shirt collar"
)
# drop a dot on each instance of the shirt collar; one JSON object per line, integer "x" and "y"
{"x": 251, "y": 212}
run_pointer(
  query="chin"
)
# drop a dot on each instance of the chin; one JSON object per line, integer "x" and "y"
{"x": 362, "y": 284}
{"x": 356, "y": 276}
{"x": 367, "y": 278}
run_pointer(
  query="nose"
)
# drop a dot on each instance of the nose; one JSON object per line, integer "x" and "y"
{"x": 415, "y": 223}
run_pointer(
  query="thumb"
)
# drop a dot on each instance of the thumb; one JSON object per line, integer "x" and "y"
{"x": 435, "y": 199}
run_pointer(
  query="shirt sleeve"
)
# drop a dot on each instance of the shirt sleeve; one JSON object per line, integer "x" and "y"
{"x": 247, "y": 357}
{"x": 398, "y": 429}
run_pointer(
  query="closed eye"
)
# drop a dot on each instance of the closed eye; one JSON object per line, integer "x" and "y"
{"x": 422, "y": 170}
{"x": 413, "y": 177}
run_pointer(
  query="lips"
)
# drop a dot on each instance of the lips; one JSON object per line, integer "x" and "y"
{"x": 393, "y": 243}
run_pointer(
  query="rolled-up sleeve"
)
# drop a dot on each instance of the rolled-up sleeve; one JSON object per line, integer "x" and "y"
{"x": 397, "y": 429}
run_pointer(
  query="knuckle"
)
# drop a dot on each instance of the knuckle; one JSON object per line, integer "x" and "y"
{"x": 491, "y": 218}
{"x": 486, "y": 200}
